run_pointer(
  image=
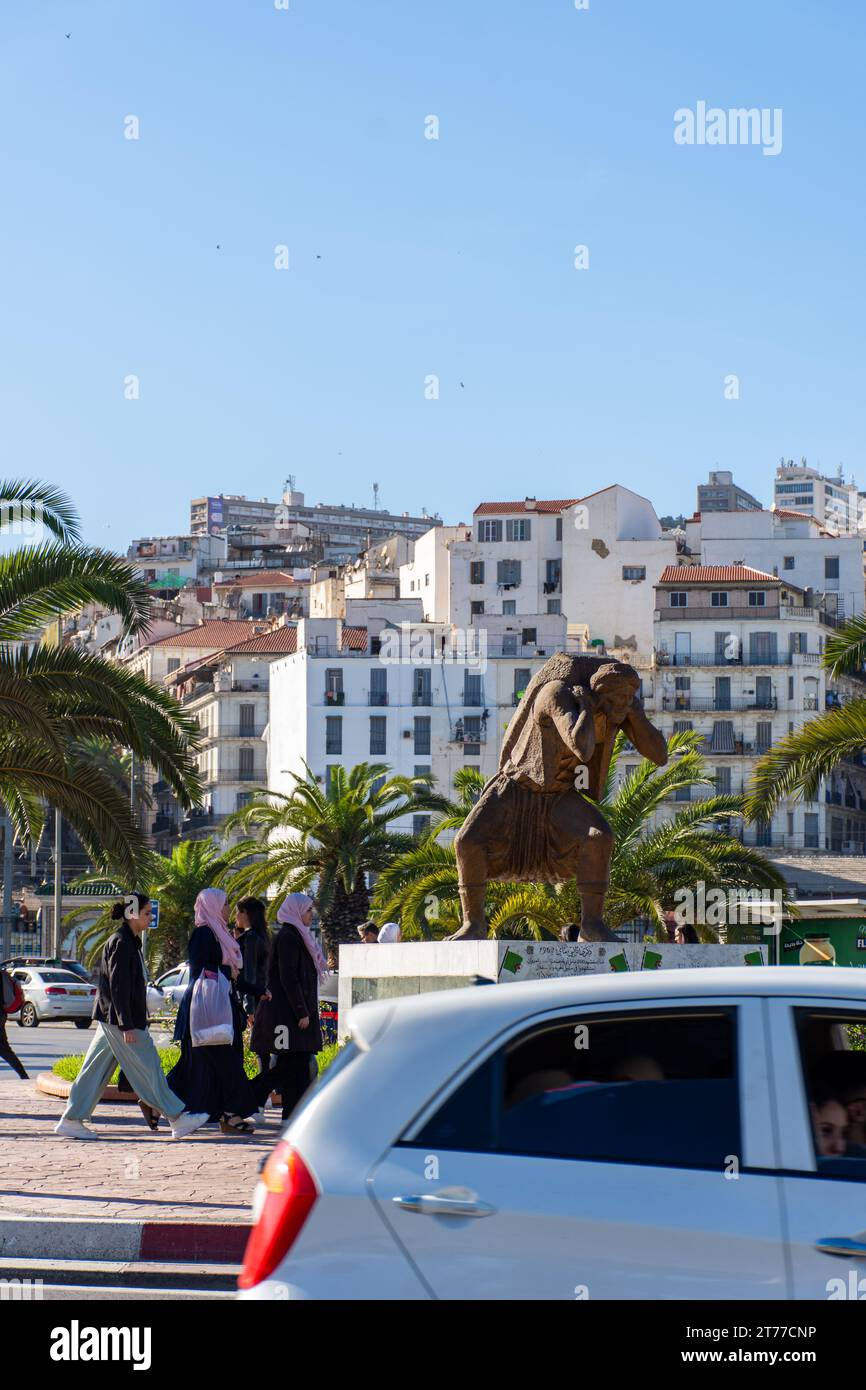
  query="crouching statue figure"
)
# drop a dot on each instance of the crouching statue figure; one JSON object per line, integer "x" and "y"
{"x": 533, "y": 820}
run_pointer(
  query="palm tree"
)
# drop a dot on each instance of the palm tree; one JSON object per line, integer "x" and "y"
{"x": 54, "y": 699}
{"x": 797, "y": 764}
{"x": 328, "y": 840}
{"x": 649, "y": 865}
{"x": 175, "y": 882}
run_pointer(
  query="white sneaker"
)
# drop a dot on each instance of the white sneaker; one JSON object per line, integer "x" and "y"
{"x": 186, "y": 1124}
{"x": 74, "y": 1129}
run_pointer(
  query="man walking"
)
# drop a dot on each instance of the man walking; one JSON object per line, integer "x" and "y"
{"x": 122, "y": 1037}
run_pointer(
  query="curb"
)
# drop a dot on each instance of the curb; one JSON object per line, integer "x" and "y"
{"x": 51, "y": 1085}
{"x": 33, "y": 1238}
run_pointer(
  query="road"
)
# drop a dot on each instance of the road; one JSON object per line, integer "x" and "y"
{"x": 39, "y": 1048}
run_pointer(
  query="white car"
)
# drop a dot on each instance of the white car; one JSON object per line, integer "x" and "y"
{"x": 53, "y": 995}
{"x": 681, "y": 1134}
{"x": 168, "y": 990}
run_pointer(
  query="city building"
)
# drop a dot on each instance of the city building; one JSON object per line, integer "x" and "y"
{"x": 210, "y": 516}
{"x": 383, "y": 686}
{"x": 832, "y": 501}
{"x": 721, "y": 494}
{"x": 170, "y": 562}
{"x": 262, "y": 593}
{"x": 789, "y": 544}
{"x": 737, "y": 658}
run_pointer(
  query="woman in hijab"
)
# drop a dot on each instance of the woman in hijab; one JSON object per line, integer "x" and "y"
{"x": 389, "y": 934}
{"x": 214, "y": 1075}
{"x": 288, "y": 1024}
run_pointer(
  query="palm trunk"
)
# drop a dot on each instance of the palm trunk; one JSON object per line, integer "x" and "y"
{"x": 348, "y": 911}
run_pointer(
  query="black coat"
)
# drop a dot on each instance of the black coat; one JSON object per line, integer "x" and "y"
{"x": 294, "y": 986}
{"x": 255, "y": 947}
{"x": 121, "y": 996}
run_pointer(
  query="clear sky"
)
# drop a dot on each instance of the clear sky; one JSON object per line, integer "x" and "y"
{"x": 410, "y": 257}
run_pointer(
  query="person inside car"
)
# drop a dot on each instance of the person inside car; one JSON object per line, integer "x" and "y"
{"x": 829, "y": 1124}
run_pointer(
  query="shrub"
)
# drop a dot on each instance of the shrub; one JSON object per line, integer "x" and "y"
{"x": 69, "y": 1067}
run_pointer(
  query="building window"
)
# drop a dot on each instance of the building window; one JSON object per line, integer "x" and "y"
{"x": 719, "y": 600}
{"x": 472, "y": 736}
{"x": 246, "y": 767}
{"x": 559, "y": 528}
{"x": 247, "y": 717}
{"x": 473, "y": 689}
{"x": 757, "y": 598}
{"x": 476, "y": 571}
{"x": 508, "y": 573}
{"x": 554, "y": 605}
{"x": 509, "y": 644}
{"x": 422, "y": 734}
{"x": 530, "y": 637}
{"x": 420, "y": 826}
{"x": 173, "y": 664}
{"x": 679, "y": 600}
{"x": 634, "y": 572}
{"x": 490, "y": 530}
{"x": 476, "y": 608}
{"x": 831, "y": 566}
{"x": 334, "y": 686}
{"x": 553, "y": 579}
{"x": 421, "y": 686}
{"x": 763, "y": 735}
{"x": 242, "y": 799}
{"x": 422, "y": 770}
{"x": 333, "y": 734}
{"x": 378, "y": 724}
{"x": 518, "y": 530}
{"x": 790, "y": 687}
{"x": 723, "y": 781}
{"x": 509, "y": 607}
{"x": 522, "y": 677}
{"x": 788, "y": 562}
{"x": 379, "y": 686}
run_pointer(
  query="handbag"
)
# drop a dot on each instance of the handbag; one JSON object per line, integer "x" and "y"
{"x": 211, "y": 1018}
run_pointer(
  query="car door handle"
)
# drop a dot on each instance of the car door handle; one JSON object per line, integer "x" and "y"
{"x": 428, "y": 1204}
{"x": 840, "y": 1245}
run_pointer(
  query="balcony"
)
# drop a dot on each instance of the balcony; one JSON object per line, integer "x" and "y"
{"x": 422, "y": 698}
{"x": 335, "y": 697}
{"x": 770, "y": 613}
{"x": 211, "y": 736}
{"x": 197, "y": 692}
{"x": 666, "y": 658}
{"x": 461, "y": 734}
{"x": 716, "y": 704}
{"x": 377, "y": 697}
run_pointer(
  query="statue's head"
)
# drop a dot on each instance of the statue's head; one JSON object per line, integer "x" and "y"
{"x": 614, "y": 686}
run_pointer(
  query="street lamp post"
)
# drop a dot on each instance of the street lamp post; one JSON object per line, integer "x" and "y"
{"x": 58, "y": 879}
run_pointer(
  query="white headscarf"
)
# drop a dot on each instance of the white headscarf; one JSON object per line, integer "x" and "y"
{"x": 390, "y": 932}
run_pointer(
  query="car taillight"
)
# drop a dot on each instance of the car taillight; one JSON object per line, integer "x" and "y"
{"x": 55, "y": 989}
{"x": 290, "y": 1192}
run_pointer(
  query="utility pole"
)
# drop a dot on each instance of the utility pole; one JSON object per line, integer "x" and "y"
{"x": 58, "y": 882}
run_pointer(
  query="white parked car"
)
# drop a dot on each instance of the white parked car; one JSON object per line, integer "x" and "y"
{"x": 168, "y": 990}
{"x": 53, "y": 994}
{"x": 680, "y": 1134}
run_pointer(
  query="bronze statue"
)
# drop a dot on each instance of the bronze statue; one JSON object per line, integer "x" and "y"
{"x": 532, "y": 821}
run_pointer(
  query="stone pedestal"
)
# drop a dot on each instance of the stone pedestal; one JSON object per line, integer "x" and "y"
{"x": 417, "y": 967}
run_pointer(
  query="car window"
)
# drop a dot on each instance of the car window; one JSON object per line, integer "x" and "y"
{"x": 650, "y": 1088}
{"x": 833, "y": 1060}
{"x": 22, "y": 976}
{"x": 172, "y": 978}
{"x": 60, "y": 977}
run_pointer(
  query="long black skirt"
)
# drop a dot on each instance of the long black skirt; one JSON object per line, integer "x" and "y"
{"x": 212, "y": 1080}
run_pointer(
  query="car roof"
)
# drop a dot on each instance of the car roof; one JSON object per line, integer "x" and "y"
{"x": 535, "y": 996}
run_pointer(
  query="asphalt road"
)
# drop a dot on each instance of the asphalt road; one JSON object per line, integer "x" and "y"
{"x": 39, "y": 1048}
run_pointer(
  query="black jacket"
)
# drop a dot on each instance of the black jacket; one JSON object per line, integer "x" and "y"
{"x": 121, "y": 996}
{"x": 204, "y": 953}
{"x": 294, "y": 985}
{"x": 255, "y": 947}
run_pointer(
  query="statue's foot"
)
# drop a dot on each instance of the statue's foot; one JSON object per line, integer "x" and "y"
{"x": 596, "y": 931}
{"x": 470, "y": 931}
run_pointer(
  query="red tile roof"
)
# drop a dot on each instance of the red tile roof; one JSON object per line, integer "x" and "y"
{"x": 501, "y": 508}
{"x": 257, "y": 579}
{"x": 214, "y": 634}
{"x": 715, "y": 574}
{"x": 354, "y": 639}
{"x": 282, "y": 639}
{"x": 798, "y": 516}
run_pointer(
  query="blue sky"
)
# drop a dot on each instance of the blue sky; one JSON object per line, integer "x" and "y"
{"x": 411, "y": 257}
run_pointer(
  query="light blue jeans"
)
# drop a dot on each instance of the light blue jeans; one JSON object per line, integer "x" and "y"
{"x": 140, "y": 1061}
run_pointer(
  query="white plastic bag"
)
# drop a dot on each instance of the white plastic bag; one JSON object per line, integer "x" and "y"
{"x": 210, "y": 1011}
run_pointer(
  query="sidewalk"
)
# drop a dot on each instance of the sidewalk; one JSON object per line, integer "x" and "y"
{"x": 131, "y": 1181}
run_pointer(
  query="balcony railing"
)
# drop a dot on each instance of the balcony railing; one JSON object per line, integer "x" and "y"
{"x": 203, "y": 688}
{"x": 666, "y": 658}
{"x": 211, "y": 736}
{"x": 717, "y": 704}
{"x": 335, "y": 697}
{"x": 716, "y": 615}
{"x": 377, "y": 697}
{"x": 423, "y": 698}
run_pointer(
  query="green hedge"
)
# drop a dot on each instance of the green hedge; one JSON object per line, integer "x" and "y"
{"x": 69, "y": 1067}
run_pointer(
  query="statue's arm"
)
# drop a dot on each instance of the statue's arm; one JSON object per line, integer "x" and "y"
{"x": 572, "y": 718}
{"x": 645, "y": 736}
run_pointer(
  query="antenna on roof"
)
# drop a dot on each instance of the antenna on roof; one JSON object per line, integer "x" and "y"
{"x": 375, "y": 497}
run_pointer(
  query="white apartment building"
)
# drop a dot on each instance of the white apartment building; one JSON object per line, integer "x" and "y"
{"x": 394, "y": 690}
{"x": 592, "y": 560}
{"x": 788, "y": 544}
{"x": 262, "y": 593}
{"x": 832, "y": 501}
{"x": 184, "y": 558}
{"x": 737, "y": 657}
